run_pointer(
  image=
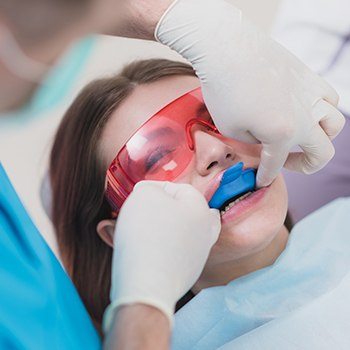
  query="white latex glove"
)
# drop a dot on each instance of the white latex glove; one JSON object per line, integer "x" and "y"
{"x": 254, "y": 88}
{"x": 163, "y": 237}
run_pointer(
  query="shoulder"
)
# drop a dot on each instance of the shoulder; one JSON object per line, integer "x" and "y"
{"x": 328, "y": 228}
{"x": 336, "y": 213}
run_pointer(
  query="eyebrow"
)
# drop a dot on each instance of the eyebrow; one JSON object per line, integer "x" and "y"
{"x": 201, "y": 109}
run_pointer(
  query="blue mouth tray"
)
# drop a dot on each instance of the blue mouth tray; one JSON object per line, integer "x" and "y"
{"x": 234, "y": 181}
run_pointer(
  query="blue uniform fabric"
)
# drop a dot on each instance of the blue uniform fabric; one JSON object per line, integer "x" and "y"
{"x": 39, "y": 306}
{"x": 299, "y": 302}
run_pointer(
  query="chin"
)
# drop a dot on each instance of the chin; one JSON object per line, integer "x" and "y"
{"x": 240, "y": 243}
{"x": 256, "y": 230}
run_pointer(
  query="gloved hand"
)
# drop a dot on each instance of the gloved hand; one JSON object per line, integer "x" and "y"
{"x": 163, "y": 236}
{"x": 254, "y": 88}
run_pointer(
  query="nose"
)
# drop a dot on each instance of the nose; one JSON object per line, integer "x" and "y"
{"x": 212, "y": 154}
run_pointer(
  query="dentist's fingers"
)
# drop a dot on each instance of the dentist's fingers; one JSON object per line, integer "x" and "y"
{"x": 318, "y": 150}
{"x": 185, "y": 193}
{"x": 150, "y": 186}
{"x": 175, "y": 190}
{"x": 194, "y": 200}
{"x": 330, "y": 118}
{"x": 240, "y": 135}
{"x": 187, "y": 197}
{"x": 215, "y": 219}
{"x": 273, "y": 157}
{"x": 327, "y": 91}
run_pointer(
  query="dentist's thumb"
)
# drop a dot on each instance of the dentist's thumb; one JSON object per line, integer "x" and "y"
{"x": 272, "y": 159}
{"x": 215, "y": 223}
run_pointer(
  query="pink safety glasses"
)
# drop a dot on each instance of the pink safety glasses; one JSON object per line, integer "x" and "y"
{"x": 160, "y": 149}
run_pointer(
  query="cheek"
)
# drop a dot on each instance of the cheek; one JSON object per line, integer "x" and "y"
{"x": 254, "y": 232}
{"x": 190, "y": 176}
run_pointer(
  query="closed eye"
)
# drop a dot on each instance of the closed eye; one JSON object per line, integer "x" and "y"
{"x": 155, "y": 157}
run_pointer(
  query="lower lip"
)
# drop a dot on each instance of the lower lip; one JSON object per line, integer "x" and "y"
{"x": 244, "y": 206}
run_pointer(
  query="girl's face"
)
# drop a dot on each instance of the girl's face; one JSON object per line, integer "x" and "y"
{"x": 250, "y": 225}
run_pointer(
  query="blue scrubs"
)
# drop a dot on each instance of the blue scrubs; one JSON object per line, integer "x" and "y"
{"x": 39, "y": 306}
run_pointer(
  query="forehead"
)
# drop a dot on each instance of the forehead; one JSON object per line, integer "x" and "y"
{"x": 138, "y": 107}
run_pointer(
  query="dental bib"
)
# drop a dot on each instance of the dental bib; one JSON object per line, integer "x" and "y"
{"x": 299, "y": 302}
{"x": 235, "y": 181}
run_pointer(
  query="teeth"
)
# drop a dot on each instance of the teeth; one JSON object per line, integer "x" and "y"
{"x": 230, "y": 205}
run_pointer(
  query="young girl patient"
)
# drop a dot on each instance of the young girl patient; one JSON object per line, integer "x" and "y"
{"x": 109, "y": 127}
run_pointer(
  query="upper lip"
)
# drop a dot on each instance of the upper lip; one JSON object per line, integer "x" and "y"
{"x": 214, "y": 184}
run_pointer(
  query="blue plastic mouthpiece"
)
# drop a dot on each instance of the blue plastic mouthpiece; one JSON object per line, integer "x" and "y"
{"x": 235, "y": 182}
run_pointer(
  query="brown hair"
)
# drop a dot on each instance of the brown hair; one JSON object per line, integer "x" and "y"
{"x": 77, "y": 178}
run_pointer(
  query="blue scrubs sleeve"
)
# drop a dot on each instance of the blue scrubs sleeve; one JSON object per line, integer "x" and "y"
{"x": 39, "y": 306}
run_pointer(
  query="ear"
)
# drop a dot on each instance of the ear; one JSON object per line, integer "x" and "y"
{"x": 105, "y": 230}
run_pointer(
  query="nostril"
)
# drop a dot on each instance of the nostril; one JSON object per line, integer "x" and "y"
{"x": 228, "y": 155}
{"x": 212, "y": 164}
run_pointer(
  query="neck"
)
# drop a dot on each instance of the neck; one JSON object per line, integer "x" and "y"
{"x": 223, "y": 273}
